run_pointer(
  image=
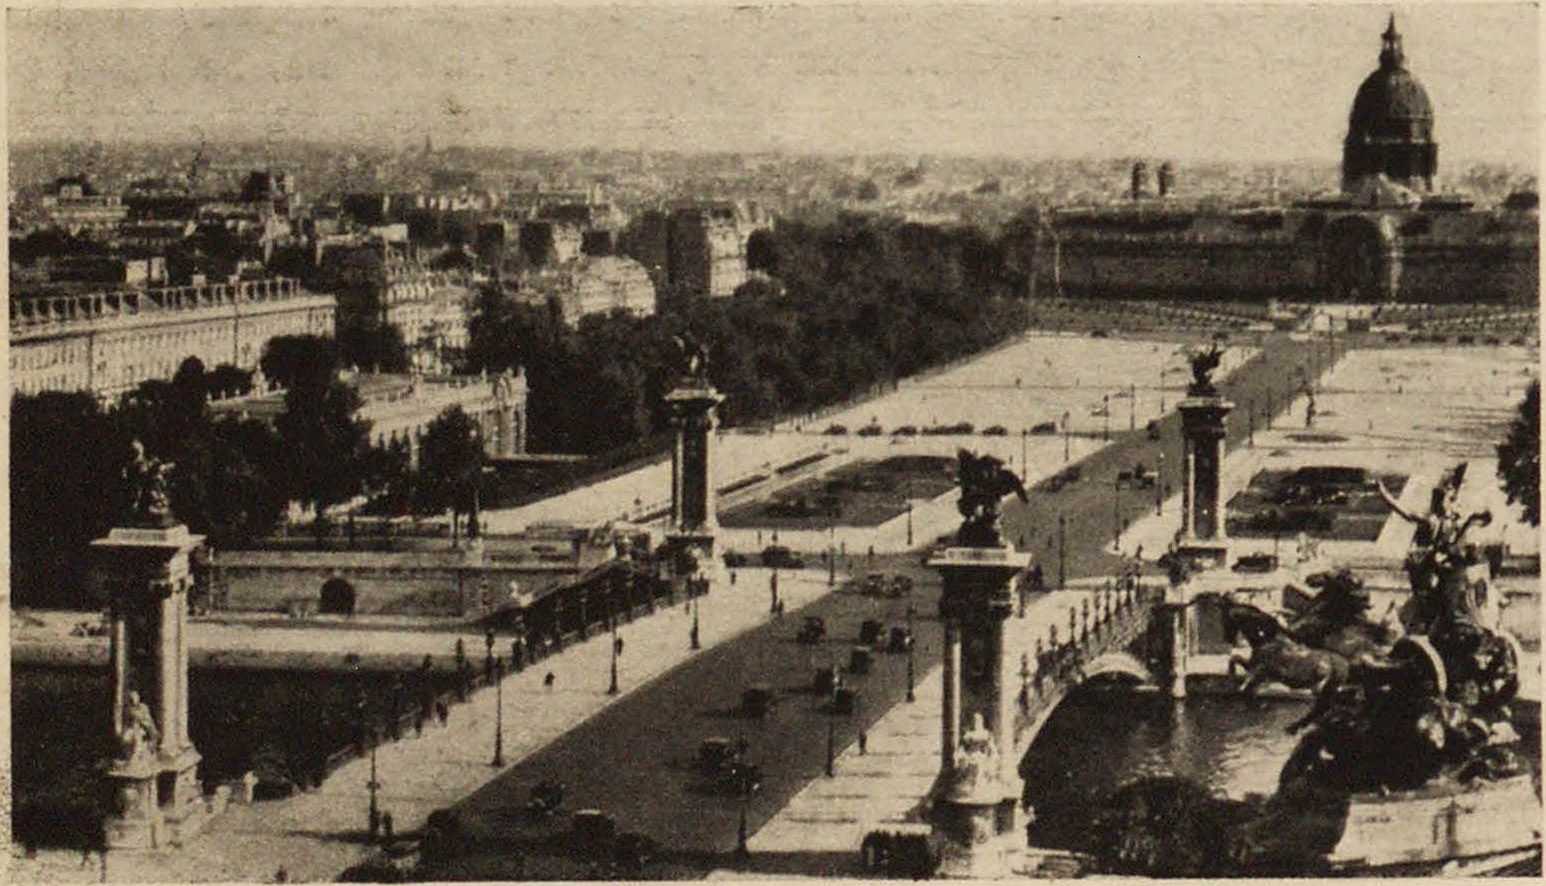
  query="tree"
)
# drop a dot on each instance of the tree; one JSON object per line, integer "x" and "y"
{"x": 67, "y": 461}
{"x": 366, "y": 342}
{"x": 450, "y": 463}
{"x": 327, "y": 446}
{"x": 1519, "y": 456}
{"x": 305, "y": 360}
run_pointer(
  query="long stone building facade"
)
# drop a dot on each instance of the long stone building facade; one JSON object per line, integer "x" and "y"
{"x": 1388, "y": 237}
{"x": 106, "y": 343}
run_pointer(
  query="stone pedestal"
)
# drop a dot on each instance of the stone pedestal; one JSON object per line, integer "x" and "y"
{"x": 154, "y": 784}
{"x": 693, "y": 519}
{"x": 976, "y": 799}
{"x": 1203, "y": 542}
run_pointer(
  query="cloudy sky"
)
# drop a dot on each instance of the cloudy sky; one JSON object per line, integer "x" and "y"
{"x": 1187, "y": 81}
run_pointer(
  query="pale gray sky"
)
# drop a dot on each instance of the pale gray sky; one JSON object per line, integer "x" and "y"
{"x": 1190, "y": 81}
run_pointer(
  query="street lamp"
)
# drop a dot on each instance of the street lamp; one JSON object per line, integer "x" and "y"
{"x": 909, "y": 522}
{"x": 831, "y": 548}
{"x": 693, "y": 637}
{"x": 367, "y": 733}
{"x": 1159, "y": 485}
{"x": 1105, "y": 409}
{"x": 1062, "y": 538}
{"x": 488, "y": 658}
{"x": 1025, "y": 467}
{"x": 1250, "y": 439}
{"x": 1116, "y": 514}
{"x": 1065, "y": 436}
{"x": 499, "y": 713}
{"x": 910, "y": 644}
{"x": 1132, "y": 406}
{"x": 773, "y": 589}
{"x": 612, "y": 688}
{"x": 742, "y": 836}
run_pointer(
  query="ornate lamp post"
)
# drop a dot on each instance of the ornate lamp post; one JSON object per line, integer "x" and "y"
{"x": 367, "y": 733}
{"x": 1105, "y": 409}
{"x": 1066, "y": 431}
{"x": 1132, "y": 406}
{"x": 773, "y": 592}
{"x": 499, "y": 713}
{"x": 831, "y": 548}
{"x": 1062, "y": 550}
{"x": 1116, "y": 513}
{"x": 488, "y": 656}
{"x": 909, "y": 523}
{"x": 1250, "y": 434}
{"x": 693, "y": 637}
{"x": 1025, "y": 467}
{"x": 1159, "y": 485}
{"x": 612, "y": 687}
{"x": 910, "y": 644}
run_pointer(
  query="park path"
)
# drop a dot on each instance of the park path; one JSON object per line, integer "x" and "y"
{"x": 314, "y": 836}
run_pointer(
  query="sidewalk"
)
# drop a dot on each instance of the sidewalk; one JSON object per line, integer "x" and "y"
{"x": 315, "y": 836}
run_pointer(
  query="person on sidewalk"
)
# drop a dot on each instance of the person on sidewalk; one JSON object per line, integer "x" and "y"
{"x": 864, "y": 740}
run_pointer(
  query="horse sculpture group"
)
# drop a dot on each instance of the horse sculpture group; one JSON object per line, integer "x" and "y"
{"x": 1404, "y": 697}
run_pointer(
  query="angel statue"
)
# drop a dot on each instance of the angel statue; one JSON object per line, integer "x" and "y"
{"x": 693, "y": 356}
{"x": 984, "y": 483}
{"x": 147, "y": 479}
{"x": 1203, "y": 365}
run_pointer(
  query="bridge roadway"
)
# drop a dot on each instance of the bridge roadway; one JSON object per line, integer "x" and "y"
{"x": 632, "y": 760}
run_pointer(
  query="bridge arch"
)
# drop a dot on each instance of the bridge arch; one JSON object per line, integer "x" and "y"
{"x": 1118, "y": 663}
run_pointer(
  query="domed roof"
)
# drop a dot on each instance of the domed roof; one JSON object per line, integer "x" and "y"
{"x": 1390, "y": 99}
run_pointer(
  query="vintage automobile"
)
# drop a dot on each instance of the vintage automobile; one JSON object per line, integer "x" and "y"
{"x": 859, "y": 660}
{"x": 845, "y": 701}
{"x": 592, "y": 834}
{"x": 813, "y": 631}
{"x": 869, "y": 631}
{"x": 758, "y": 700}
{"x": 901, "y": 640}
{"x": 780, "y": 557}
{"x": 902, "y": 850}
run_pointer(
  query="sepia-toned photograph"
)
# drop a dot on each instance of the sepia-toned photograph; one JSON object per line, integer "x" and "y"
{"x": 665, "y": 441}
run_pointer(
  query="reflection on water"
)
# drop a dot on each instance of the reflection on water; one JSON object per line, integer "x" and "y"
{"x": 1096, "y": 741}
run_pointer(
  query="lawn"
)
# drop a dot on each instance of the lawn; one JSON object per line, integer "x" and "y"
{"x": 865, "y": 493}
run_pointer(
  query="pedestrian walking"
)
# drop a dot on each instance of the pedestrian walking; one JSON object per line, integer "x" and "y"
{"x": 732, "y": 578}
{"x": 864, "y": 741}
{"x": 386, "y": 827}
{"x": 281, "y": 875}
{"x": 547, "y": 682}
{"x": 443, "y": 711}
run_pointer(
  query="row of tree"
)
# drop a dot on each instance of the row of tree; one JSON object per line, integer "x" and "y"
{"x": 233, "y": 479}
{"x": 864, "y": 300}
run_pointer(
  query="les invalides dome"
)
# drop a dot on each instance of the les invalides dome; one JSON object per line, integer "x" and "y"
{"x": 1390, "y": 130}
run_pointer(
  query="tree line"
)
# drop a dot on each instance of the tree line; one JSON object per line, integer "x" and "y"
{"x": 233, "y": 479}
{"x": 861, "y": 301}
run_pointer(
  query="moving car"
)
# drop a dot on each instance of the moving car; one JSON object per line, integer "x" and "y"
{"x": 780, "y": 557}
{"x": 813, "y": 631}
{"x": 758, "y": 700}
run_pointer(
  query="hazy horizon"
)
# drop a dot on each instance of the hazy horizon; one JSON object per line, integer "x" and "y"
{"x": 1266, "y": 84}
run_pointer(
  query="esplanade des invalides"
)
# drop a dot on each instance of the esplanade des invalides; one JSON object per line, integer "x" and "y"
{"x": 1391, "y": 236}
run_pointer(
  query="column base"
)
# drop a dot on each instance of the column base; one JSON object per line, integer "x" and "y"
{"x": 978, "y": 840}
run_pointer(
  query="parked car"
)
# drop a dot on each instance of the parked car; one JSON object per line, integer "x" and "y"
{"x": 901, "y": 586}
{"x": 1044, "y": 428}
{"x": 901, "y": 850}
{"x": 871, "y": 431}
{"x": 901, "y": 640}
{"x": 905, "y": 431}
{"x": 758, "y": 700}
{"x": 717, "y": 752}
{"x": 835, "y": 430}
{"x": 734, "y": 560}
{"x": 592, "y": 834}
{"x": 813, "y": 631}
{"x": 995, "y": 431}
{"x": 859, "y": 660}
{"x": 1139, "y": 477}
{"x": 1256, "y": 563}
{"x": 1152, "y": 429}
{"x": 546, "y": 798}
{"x": 739, "y": 778}
{"x": 845, "y": 701}
{"x": 824, "y": 681}
{"x": 873, "y": 584}
{"x": 869, "y": 631}
{"x": 632, "y": 851}
{"x": 780, "y": 557}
